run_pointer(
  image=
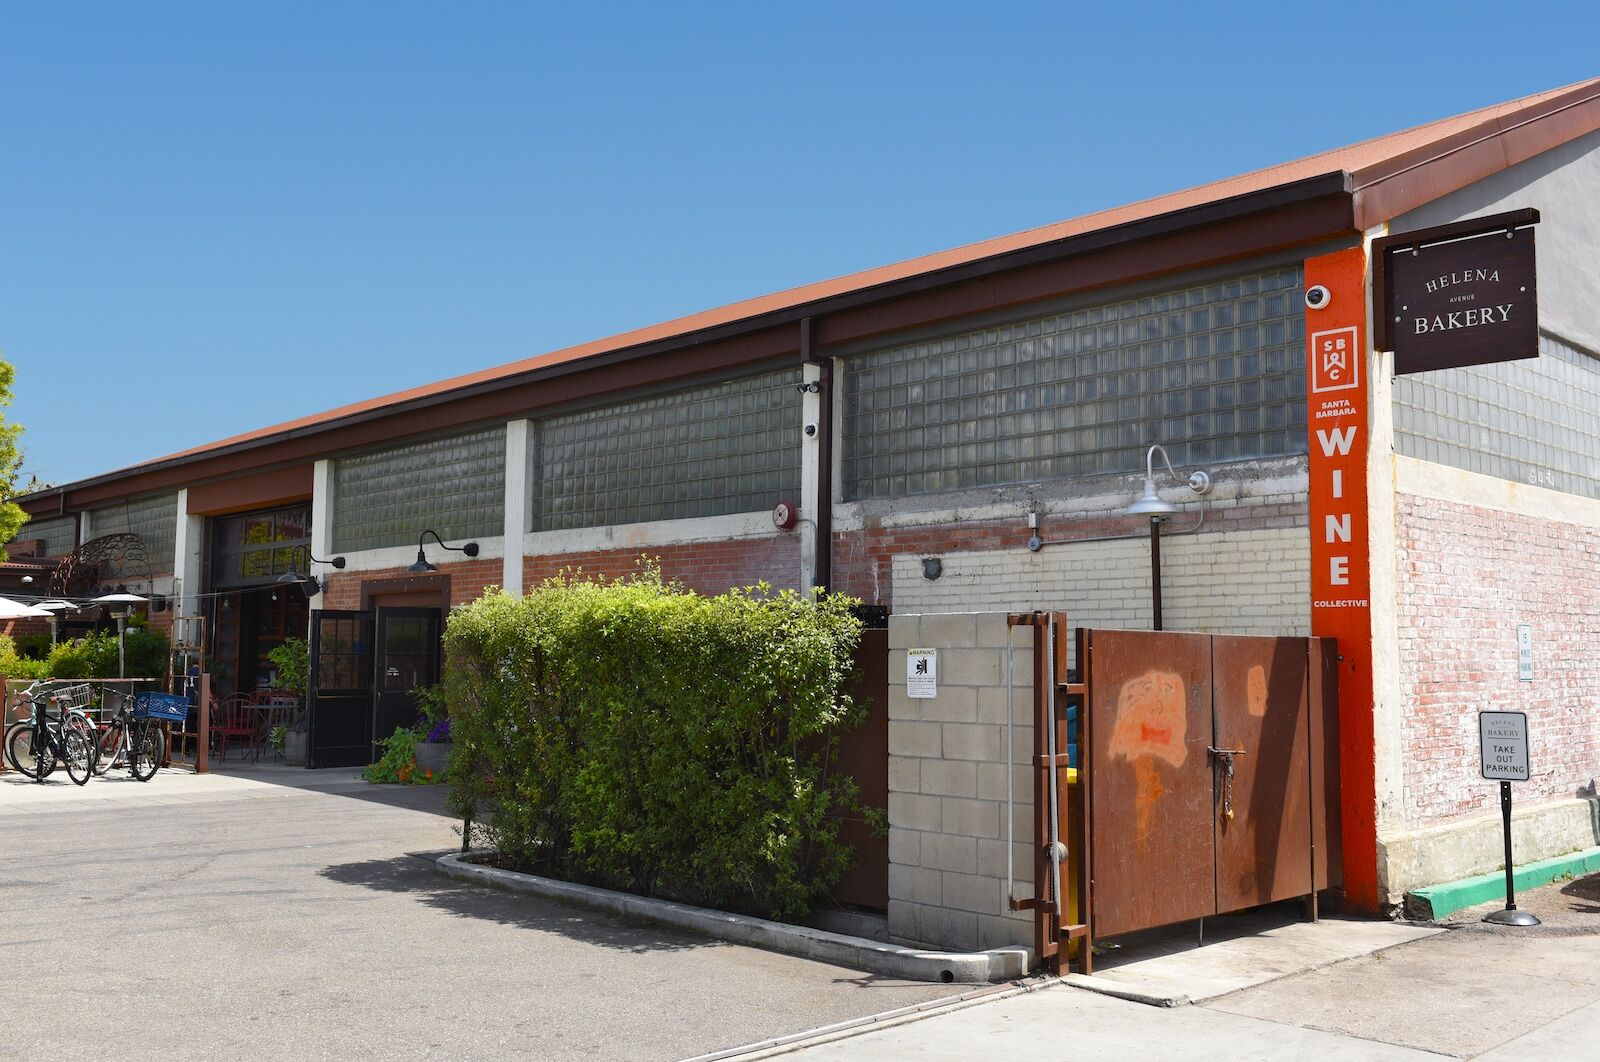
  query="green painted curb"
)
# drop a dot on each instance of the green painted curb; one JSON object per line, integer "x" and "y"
{"x": 1441, "y": 901}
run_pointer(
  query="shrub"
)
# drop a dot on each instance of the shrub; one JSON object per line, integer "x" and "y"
{"x": 638, "y": 736}
{"x": 293, "y": 661}
{"x": 148, "y": 654}
{"x": 93, "y": 656}
{"x": 33, "y": 646}
{"x": 14, "y": 665}
{"x": 399, "y": 760}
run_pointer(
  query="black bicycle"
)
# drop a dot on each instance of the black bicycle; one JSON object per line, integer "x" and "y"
{"x": 127, "y": 740}
{"x": 57, "y": 728}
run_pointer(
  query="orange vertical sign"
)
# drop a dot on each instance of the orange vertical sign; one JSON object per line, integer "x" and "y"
{"x": 1337, "y": 390}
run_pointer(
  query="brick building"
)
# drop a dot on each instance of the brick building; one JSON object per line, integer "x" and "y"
{"x": 944, "y": 406}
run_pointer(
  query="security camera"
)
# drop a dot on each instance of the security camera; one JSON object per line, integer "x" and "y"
{"x": 811, "y": 429}
{"x": 1318, "y": 297}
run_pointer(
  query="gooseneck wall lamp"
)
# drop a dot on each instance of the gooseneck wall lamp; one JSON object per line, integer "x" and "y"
{"x": 1158, "y": 509}
{"x": 307, "y": 582}
{"x": 423, "y": 565}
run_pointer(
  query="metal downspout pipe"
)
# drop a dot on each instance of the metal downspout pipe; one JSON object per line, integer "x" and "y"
{"x": 823, "y": 499}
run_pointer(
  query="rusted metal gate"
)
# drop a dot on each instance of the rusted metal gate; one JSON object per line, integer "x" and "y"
{"x": 864, "y": 756}
{"x": 1206, "y": 780}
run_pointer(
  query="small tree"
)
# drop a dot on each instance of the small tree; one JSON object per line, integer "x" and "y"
{"x": 11, "y": 515}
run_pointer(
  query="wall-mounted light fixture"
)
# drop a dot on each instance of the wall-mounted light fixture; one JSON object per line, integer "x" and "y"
{"x": 422, "y": 564}
{"x": 1158, "y": 509}
{"x": 307, "y": 582}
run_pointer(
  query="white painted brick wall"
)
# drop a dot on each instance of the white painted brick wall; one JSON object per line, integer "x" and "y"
{"x": 1226, "y": 582}
{"x": 947, "y": 785}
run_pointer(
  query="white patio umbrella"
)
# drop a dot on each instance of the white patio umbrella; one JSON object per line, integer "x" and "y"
{"x": 120, "y": 604}
{"x": 10, "y": 609}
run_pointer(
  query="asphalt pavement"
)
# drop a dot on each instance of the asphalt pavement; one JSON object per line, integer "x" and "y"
{"x": 212, "y": 918}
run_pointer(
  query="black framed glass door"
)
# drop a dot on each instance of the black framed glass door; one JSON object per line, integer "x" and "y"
{"x": 341, "y": 697}
{"x": 407, "y": 659}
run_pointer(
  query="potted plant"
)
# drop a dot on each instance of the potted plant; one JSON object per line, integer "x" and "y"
{"x": 433, "y": 751}
{"x": 293, "y": 662}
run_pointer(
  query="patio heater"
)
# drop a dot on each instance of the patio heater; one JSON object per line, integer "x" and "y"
{"x": 1158, "y": 509}
{"x": 56, "y": 608}
{"x": 121, "y": 605}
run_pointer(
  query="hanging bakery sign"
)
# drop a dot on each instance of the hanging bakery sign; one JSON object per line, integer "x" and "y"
{"x": 1460, "y": 294}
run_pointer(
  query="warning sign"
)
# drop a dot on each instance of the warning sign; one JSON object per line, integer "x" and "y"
{"x": 922, "y": 672}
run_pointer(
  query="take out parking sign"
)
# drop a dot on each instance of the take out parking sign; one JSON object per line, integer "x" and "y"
{"x": 1504, "y": 736}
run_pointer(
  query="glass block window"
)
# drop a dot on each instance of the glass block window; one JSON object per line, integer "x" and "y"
{"x": 731, "y": 447}
{"x": 60, "y": 534}
{"x": 455, "y": 486}
{"x": 1534, "y": 421}
{"x": 154, "y": 520}
{"x": 1214, "y": 371}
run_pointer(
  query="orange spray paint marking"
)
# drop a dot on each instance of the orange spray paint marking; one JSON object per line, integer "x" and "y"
{"x": 1152, "y": 726}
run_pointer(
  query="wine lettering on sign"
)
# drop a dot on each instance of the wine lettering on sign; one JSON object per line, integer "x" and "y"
{"x": 1336, "y": 425}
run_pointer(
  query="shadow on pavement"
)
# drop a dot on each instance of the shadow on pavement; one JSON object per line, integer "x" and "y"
{"x": 1584, "y": 889}
{"x": 414, "y": 876}
{"x": 344, "y": 782}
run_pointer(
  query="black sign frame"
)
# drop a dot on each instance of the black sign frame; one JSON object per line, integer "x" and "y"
{"x": 1525, "y": 342}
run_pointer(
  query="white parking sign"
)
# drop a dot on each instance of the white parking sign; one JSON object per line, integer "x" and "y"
{"x": 1505, "y": 745}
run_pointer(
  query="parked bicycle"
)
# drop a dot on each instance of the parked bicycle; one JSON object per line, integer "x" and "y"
{"x": 128, "y": 738}
{"x": 57, "y": 728}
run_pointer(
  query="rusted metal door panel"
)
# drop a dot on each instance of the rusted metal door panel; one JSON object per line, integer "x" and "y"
{"x": 864, "y": 756}
{"x": 1260, "y": 695}
{"x": 1327, "y": 867}
{"x": 1152, "y": 841}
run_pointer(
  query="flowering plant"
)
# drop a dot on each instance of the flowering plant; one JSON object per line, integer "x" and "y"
{"x": 438, "y": 733}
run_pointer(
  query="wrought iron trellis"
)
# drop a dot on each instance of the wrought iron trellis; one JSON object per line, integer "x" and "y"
{"x": 102, "y": 564}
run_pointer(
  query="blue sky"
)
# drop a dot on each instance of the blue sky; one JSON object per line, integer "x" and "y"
{"x": 216, "y": 217}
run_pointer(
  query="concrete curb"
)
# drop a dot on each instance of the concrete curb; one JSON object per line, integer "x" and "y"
{"x": 1443, "y": 900}
{"x": 1003, "y": 964}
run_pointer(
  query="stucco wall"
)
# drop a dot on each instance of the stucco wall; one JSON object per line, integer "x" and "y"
{"x": 1564, "y": 185}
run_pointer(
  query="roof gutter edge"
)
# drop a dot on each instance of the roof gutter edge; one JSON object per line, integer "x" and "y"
{"x": 1278, "y": 197}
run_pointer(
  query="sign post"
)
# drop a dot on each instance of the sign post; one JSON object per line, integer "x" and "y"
{"x": 1504, "y": 740}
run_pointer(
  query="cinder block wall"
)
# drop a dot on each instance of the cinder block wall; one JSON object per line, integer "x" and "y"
{"x": 947, "y": 784}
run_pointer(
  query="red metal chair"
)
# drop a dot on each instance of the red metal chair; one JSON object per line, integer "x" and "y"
{"x": 240, "y": 720}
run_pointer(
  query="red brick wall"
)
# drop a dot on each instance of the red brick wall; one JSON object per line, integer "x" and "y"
{"x": 161, "y": 622}
{"x": 708, "y": 567}
{"x": 863, "y": 560}
{"x": 468, "y": 578}
{"x": 18, "y": 627}
{"x": 1467, "y": 577}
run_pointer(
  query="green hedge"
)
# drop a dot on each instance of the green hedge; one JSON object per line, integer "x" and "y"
{"x": 93, "y": 656}
{"x": 638, "y": 736}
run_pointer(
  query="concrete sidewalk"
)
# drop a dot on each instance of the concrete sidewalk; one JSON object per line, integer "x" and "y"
{"x": 1474, "y": 991}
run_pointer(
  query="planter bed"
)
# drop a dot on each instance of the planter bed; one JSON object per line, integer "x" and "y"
{"x": 858, "y": 953}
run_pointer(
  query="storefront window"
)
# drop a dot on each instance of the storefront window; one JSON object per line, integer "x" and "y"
{"x": 258, "y": 547}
